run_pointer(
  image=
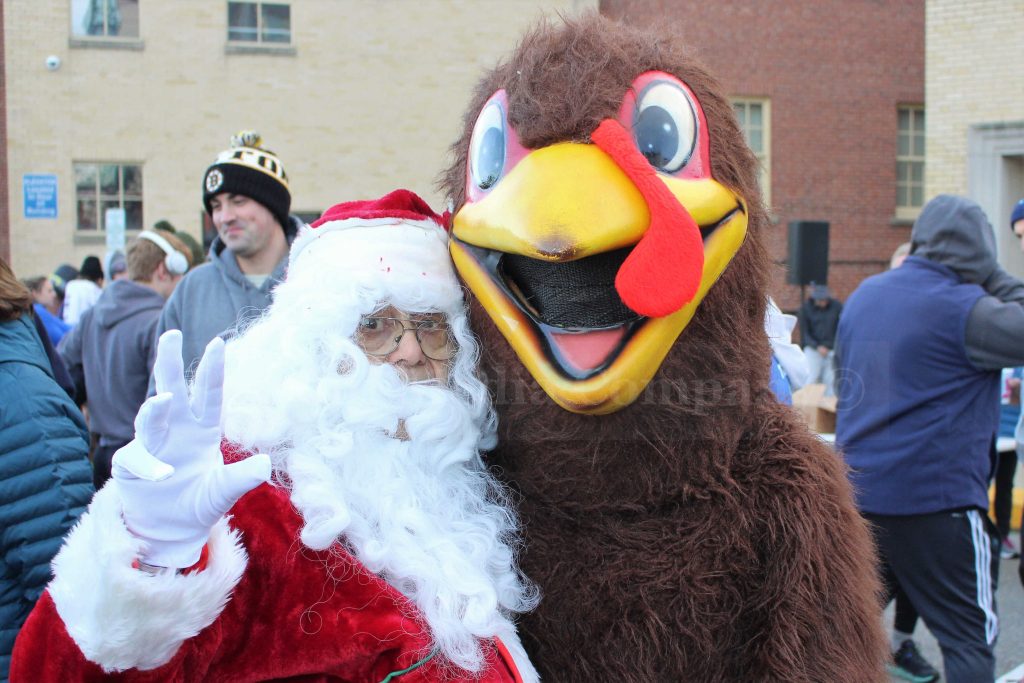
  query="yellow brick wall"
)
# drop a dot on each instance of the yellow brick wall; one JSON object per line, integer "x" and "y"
{"x": 974, "y": 74}
{"x": 370, "y": 101}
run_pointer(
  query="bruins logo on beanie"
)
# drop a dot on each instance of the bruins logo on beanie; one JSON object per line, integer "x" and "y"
{"x": 252, "y": 171}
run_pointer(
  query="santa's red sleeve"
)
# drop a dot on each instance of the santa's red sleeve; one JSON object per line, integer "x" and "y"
{"x": 271, "y": 608}
{"x": 99, "y": 615}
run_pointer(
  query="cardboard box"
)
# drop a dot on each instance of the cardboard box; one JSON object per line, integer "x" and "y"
{"x": 817, "y": 409}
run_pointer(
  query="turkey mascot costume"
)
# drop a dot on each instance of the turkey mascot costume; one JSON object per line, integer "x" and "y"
{"x": 379, "y": 551}
{"x": 681, "y": 524}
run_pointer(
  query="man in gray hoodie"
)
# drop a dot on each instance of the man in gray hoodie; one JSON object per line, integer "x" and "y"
{"x": 246, "y": 194}
{"x": 920, "y": 348}
{"x": 110, "y": 352}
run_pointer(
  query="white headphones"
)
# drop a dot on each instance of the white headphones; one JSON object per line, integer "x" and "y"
{"x": 175, "y": 261}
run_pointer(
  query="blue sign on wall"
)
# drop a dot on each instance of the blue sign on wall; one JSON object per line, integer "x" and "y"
{"x": 40, "y": 191}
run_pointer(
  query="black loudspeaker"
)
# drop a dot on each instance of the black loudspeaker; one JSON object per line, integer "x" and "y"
{"x": 808, "y": 252}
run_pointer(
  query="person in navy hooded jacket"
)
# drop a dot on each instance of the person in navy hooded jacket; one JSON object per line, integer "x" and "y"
{"x": 920, "y": 350}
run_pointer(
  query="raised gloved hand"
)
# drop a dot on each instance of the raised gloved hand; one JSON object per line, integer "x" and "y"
{"x": 172, "y": 479}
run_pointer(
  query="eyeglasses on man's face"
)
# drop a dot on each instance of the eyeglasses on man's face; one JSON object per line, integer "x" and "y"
{"x": 380, "y": 335}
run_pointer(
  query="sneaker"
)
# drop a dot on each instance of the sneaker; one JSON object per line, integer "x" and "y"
{"x": 1008, "y": 551}
{"x": 908, "y": 664}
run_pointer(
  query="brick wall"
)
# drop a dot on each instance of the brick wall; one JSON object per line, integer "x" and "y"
{"x": 835, "y": 72}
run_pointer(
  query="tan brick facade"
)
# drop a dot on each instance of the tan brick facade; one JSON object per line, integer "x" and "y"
{"x": 975, "y": 105}
{"x": 368, "y": 100}
{"x": 5, "y": 236}
{"x": 975, "y": 74}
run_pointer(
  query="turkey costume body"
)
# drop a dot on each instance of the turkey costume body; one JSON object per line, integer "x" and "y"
{"x": 381, "y": 550}
{"x": 681, "y": 524}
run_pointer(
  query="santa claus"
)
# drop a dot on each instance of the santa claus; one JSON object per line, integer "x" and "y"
{"x": 334, "y": 521}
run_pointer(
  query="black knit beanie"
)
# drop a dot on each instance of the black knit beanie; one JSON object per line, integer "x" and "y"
{"x": 248, "y": 169}
{"x": 1017, "y": 214}
{"x": 91, "y": 269}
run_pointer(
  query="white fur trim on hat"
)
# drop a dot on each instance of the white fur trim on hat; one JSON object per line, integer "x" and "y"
{"x": 122, "y": 618}
{"x": 351, "y": 227}
{"x": 394, "y": 254}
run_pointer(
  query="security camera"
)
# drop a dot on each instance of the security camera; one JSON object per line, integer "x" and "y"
{"x": 53, "y": 62}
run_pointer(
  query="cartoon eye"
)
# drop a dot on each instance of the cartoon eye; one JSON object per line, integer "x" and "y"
{"x": 665, "y": 126}
{"x": 487, "y": 147}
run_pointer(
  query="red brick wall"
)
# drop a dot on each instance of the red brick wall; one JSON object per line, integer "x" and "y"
{"x": 835, "y": 71}
{"x": 5, "y": 216}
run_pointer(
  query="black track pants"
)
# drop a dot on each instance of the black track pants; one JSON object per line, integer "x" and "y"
{"x": 947, "y": 563}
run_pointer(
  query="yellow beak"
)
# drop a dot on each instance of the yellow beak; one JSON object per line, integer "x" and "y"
{"x": 568, "y": 202}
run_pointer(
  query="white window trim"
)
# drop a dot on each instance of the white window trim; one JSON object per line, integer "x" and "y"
{"x": 100, "y": 230}
{"x": 905, "y": 212}
{"x": 77, "y": 39}
{"x": 260, "y": 45}
{"x": 764, "y": 157}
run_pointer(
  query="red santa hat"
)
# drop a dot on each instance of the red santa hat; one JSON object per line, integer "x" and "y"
{"x": 395, "y": 244}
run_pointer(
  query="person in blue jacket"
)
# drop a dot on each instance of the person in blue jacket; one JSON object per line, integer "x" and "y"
{"x": 45, "y": 478}
{"x": 45, "y": 305}
{"x": 920, "y": 350}
{"x": 789, "y": 368}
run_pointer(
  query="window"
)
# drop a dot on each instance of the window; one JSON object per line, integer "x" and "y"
{"x": 259, "y": 22}
{"x": 102, "y": 186}
{"x": 754, "y": 117}
{"x": 105, "y": 18}
{"x": 910, "y": 161}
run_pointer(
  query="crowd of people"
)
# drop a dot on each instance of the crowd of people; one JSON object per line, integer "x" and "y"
{"x": 349, "y": 365}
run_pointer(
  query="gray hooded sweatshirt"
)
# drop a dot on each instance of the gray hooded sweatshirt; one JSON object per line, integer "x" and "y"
{"x": 215, "y": 299}
{"x": 954, "y": 231}
{"x": 110, "y": 354}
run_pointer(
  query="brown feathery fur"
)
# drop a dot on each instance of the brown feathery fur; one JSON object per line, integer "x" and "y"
{"x": 702, "y": 533}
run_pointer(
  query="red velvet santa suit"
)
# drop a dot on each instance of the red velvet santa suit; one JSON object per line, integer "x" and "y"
{"x": 265, "y": 608}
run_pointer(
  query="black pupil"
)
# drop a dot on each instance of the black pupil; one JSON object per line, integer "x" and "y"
{"x": 657, "y": 136}
{"x": 491, "y": 158}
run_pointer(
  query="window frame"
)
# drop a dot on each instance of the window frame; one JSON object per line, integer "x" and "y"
{"x": 259, "y": 42}
{"x": 909, "y": 212}
{"x": 105, "y": 39}
{"x": 764, "y": 155}
{"x": 99, "y": 197}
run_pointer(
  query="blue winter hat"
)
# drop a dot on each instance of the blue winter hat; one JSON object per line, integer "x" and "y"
{"x": 1017, "y": 214}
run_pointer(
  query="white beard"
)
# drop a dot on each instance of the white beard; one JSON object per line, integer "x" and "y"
{"x": 422, "y": 511}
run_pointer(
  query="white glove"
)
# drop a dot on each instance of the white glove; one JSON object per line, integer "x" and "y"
{"x": 173, "y": 482}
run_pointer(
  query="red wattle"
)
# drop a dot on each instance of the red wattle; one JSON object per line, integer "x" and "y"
{"x": 663, "y": 272}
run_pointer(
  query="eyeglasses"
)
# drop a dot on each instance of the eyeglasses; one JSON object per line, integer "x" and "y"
{"x": 380, "y": 336}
